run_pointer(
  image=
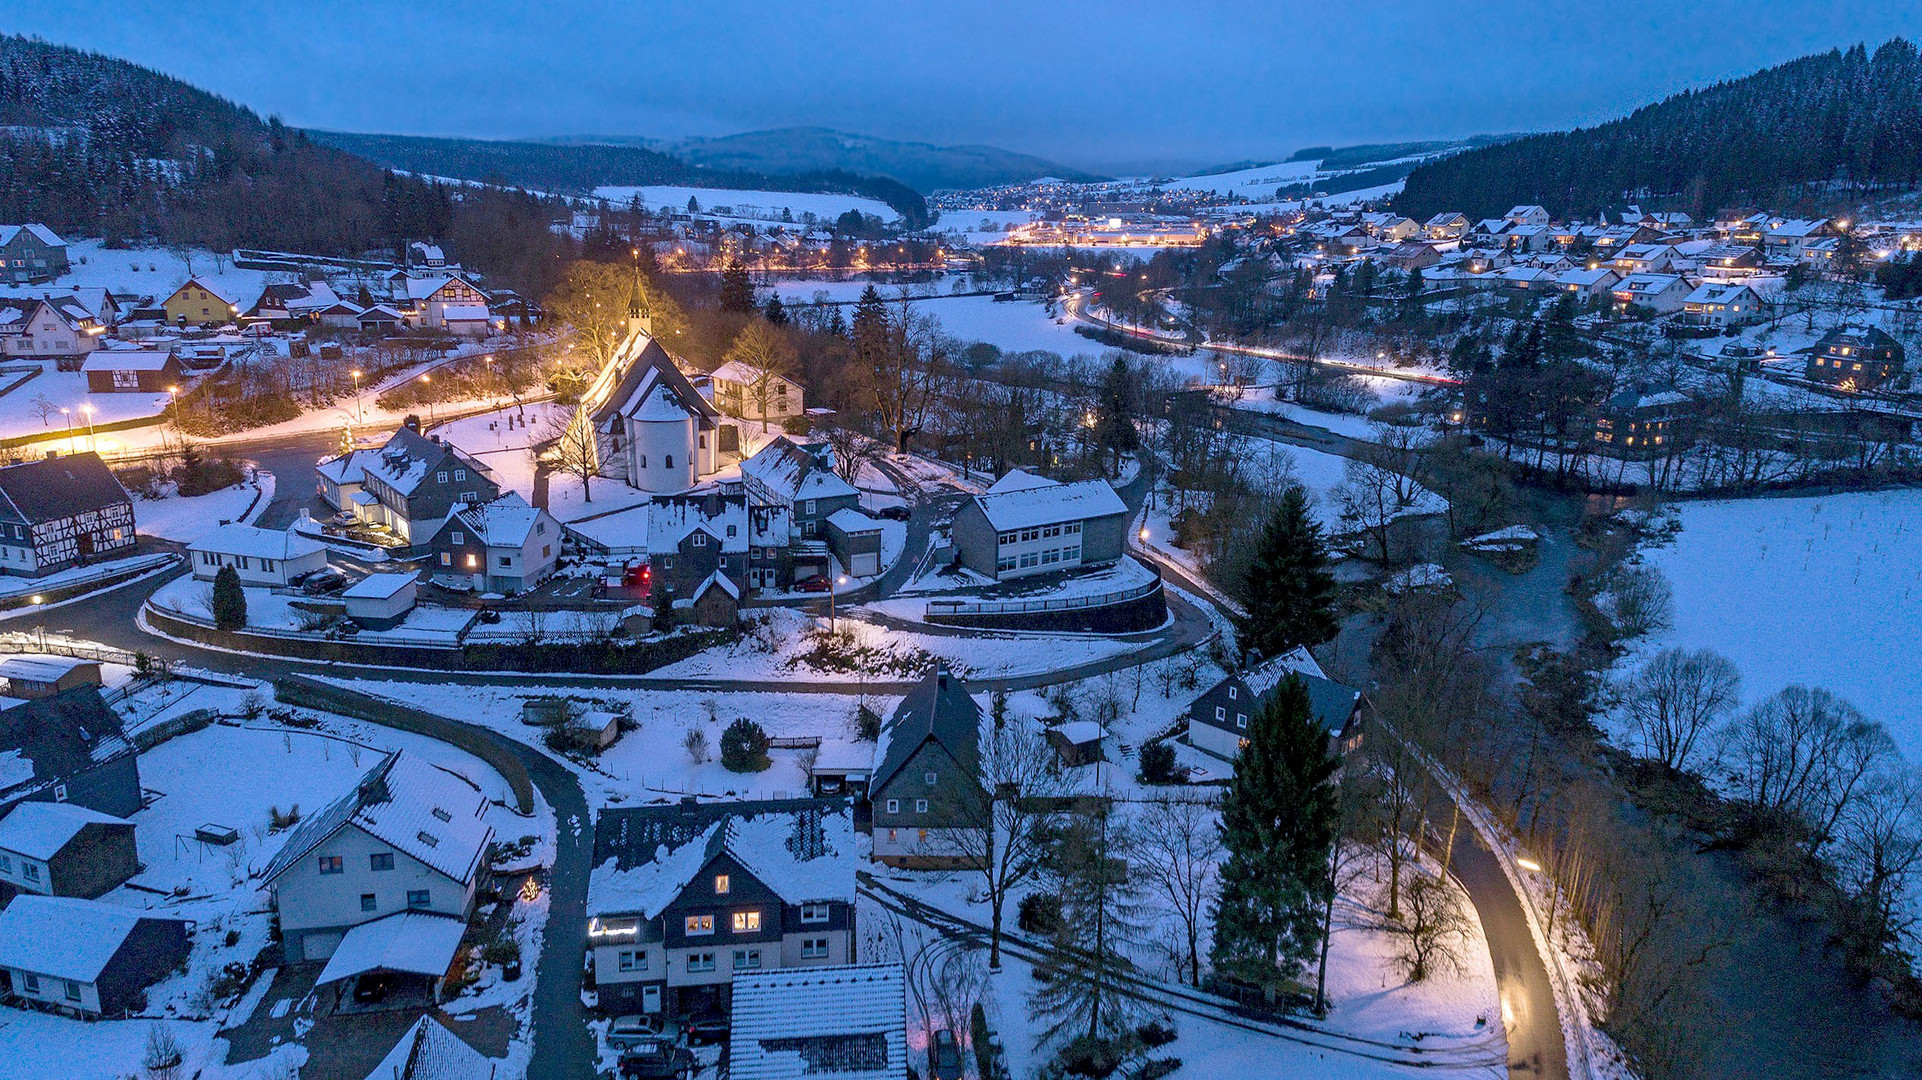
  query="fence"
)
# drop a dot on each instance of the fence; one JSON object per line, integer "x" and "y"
{"x": 1071, "y": 603}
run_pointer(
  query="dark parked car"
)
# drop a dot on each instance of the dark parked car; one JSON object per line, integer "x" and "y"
{"x": 944, "y": 1056}
{"x": 655, "y": 1059}
{"x": 372, "y": 988}
{"x": 324, "y": 581}
{"x": 489, "y": 615}
{"x": 706, "y": 1029}
{"x": 894, "y": 513}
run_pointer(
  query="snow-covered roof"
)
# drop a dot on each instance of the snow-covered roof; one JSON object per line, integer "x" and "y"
{"x": 464, "y": 313}
{"x": 1049, "y": 503}
{"x": 1081, "y": 732}
{"x": 737, "y": 372}
{"x": 256, "y": 542}
{"x": 1647, "y": 284}
{"x": 39, "y": 830}
{"x": 63, "y": 936}
{"x": 378, "y": 586}
{"x": 1716, "y": 292}
{"x": 39, "y": 232}
{"x": 414, "y": 942}
{"x": 1586, "y": 277}
{"x": 672, "y": 518}
{"x": 718, "y": 580}
{"x": 506, "y": 522}
{"x": 1268, "y": 675}
{"x": 423, "y": 288}
{"x": 1019, "y": 480}
{"x": 429, "y": 813}
{"x": 127, "y": 360}
{"x": 844, "y": 1023}
{"x": 939, "y": 708}
{"x": 347, "y": 468}
{"x": 802, "y": 849}
{"x": 794, "y": 471}
{"x": 850, "y": 520}
{"x": 218, "y": 290}
{"x": 38, "y": 668}
{"x": 431, "y": 1051}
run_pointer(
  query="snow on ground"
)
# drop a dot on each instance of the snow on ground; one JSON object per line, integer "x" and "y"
{"x": 569, "y": 503}
{"x": 189, "y": 518}
{"x": 1252, "y": 183}
{"x": 652, "y": 762}
{"x": 500, "y": 441}
{"x": 154, "y": 272}
{"x": 753, "y": 205}
{"x": 1823, "y": 591}
{"x": 975, "y": 656}
{"x": 1269, "y": 399}
{"x": 21, "y": 411}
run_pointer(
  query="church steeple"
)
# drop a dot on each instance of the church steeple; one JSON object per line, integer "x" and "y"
{"x": 637, "y": 313}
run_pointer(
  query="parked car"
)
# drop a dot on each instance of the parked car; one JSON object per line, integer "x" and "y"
{"x": 345, "y": 517}
{"x": 944, "y": 1056}
{"x": 817, "y": 583}
{"x": 655, "y": 1059}
{"x": 633, "y": 1029}
{"x": 894, "y": 513}
{"x": 329, "y": 580}
{"x": 372, "y": 988}
{"x": 706, "y": 1029}
{"x": 489, "y": 615}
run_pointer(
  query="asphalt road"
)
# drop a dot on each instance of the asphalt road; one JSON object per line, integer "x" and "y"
{"x": 1535, "y": 1045}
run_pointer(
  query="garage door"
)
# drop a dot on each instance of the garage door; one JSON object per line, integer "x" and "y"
{"x": 866, "y": 565}
{"x": 319, "y": 946}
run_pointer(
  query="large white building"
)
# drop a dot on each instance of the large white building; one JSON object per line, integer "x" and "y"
{"x": 652, "y": 428}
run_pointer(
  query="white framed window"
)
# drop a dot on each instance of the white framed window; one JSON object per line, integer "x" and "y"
{"x": 920, "y": 806}
{"x": 722, "y": 883}
{"x": 440, "y": 477}
{"x": 814, "y": 948}
{"x": 747, "y": 922}
{"x": 1221, "y": 712}
{"x": 747, "y": 959}
{"x": 457, "y": 537}
{"x": 930, "y": 777}
{"x": 894, "y": 806}
{"x": 700, "y": 961}
{"x": 698, "y": 924}
{"x": 1241, "y": 720}
{"x": 633, "y": 960}
{"x": 814, "y": 913}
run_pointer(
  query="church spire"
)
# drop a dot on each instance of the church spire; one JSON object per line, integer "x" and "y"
{"x": 637, "y": 313}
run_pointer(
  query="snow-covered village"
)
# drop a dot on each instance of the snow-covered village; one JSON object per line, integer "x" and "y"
{"x": 1323, "y": 565}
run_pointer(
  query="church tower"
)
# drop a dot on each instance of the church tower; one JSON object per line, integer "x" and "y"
{"x": 638, "y": 317}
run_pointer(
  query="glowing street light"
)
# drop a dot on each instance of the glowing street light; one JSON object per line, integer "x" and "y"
{"x": 841, "y": 580}
{"x": 360, "y": 407}
{"x": 92, "y": 442}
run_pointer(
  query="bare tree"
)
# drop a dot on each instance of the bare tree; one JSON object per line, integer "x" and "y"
{"x": 1181, "y": 846}
{"x": 904, "y": 378}
{"x": 1639, "y": 601}
{"x": 1809, "y": 754}
{"x": 767, "y": 354}
{"x": 1011, "y": 841}
{"x": 1677, "y": 699}
{"x": 1432, "y": 929}
{"x": 1879, "y": 847}
{"x": 576, "y": 450}
{"x": 850, "y": 450}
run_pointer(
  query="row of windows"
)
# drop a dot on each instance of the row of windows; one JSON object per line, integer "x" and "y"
{"x": 1023, "y": 536}
{"x": 31, "y": 984}
{"x": 335, "y": 864}
{"x": 28, "y": 870}
{"x": 416, "y": 898}
{"x": 745, "y": 922}
{"x": 460, "y": 476}
{"x": 212, "y": 558}
{"x": 920, "y": 806}
{"x": 1038, "y": 558}
{"x": 667, "y": 461}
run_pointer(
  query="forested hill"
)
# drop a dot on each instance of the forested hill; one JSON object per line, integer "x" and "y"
{"x": 98, "y": 146}
{"x": 1795, "y": 134}
{"x": 578, "y": 168}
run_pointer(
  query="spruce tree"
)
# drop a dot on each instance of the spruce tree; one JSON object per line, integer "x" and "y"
{"x": 1290, "y": 592}
{"x": 230, "y": 600}
{"x": 737, "y": 289}
{"x": 1114, "y": 429}
{"x": 870, "y": 330}
{"x": 1278, "y": 824}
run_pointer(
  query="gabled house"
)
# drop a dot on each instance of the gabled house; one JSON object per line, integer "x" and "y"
{"x": 800, "y": 478}
{"x": 1410, "y": 256}
{"x": 1219, "y": 719}
{"x": 61, "y": 512}
{"x": 1639, "y": 422}
{"x": 503, "y": 546}
{"x": 690, "y": 538}
{"x": 339, "y": 479}
{"x": 753, "y": 393}
{"x": 30, "y": 677}
{"x": 1527, "y": 215}
{"x": 1722, "y": 304}
{"x": 63, "y": 849}
{"x": 1659, "y": 293}
{"x": 1785, "y": 239}
{"x": 271, "y": 557}
{"x": 1447, "y": 225}
{"x": 685, "y": 897}
{"x": 1588, "y": 284}
{"x": 131, "y": 371}
{"x": 929, "y": 805}
{"x": 447, "y": 302}
{"x": 200, "y": 302}
{"x": 417, "y": 480}
{"x": 31, "y": 253}
{"x": 1853, "y": 357}
{"x": 52, "y": 328}
{"x": 431, "y": 1051}
{"x": 68, "y": 748}
{"x": 85, "y": 958}
{"x": 1730, "y": 261}
{"x": 409, "y": 838}
{"x": 1026, "y": 524}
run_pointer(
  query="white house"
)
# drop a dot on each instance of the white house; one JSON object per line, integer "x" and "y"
{"x": 409, "y": 837}
{"x": 503, "y": 546}
{"x": 60, "y": 328}
{"x": 259, "y": 556}
{"x": 431, "y": 1051}
{"x": 83, "y": 957}
{"x": 1219, "y": 719}
{"x": 652, "y": 428}
{"x": 1660, "y": 293}
{"x": 753, "y": 393}
{"x": 1587, "y": 284}
{"x": 1027, "y": 524}
{"x": 432, "y": 302}
{"x": 1527, "y": 215}
{"x": 380, "y": 601}
{"x": 1723, "y": 304}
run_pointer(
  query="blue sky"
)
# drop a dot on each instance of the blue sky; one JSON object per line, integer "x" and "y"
{"x": 1096, "y": 85}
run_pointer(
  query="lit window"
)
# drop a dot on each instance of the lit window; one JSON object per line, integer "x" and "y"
{"x": 699, "y": 924}
{"x": 331, "y": 864}
{"x": 747, "y": 922}
{"x": 721, "y": 884}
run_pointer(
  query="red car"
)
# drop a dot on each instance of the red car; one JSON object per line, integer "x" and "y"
{"x": 817, "y": 583}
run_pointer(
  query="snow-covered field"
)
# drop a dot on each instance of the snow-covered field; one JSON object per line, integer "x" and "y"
{"x": 187, "y": 519}
{"x": 1823, "y": 591}
{"x": 29, "y": 409}
{"x": 754, "y": 205}
{"x": 156, "y": 272}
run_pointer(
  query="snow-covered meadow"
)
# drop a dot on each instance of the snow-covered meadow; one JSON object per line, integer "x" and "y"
{"x": 1824, "y": 591}
{"x": 752, "y": 205}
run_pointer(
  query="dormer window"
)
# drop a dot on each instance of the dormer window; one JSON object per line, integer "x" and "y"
{"x": 700, "y": 539}
{"x": 721, "y": 884}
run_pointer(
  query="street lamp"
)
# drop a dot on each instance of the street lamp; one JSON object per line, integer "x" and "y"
{"x": 68, "y": 413}
{"x": 174, "y": 393}
{"x": 841, "y": 580}
{"x": 360, "y": 407}
{"x": 428, "y": 380}
{"x": 92, "y": 443}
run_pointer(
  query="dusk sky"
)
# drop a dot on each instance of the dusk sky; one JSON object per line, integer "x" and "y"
{"x": 1102, "y": 86}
